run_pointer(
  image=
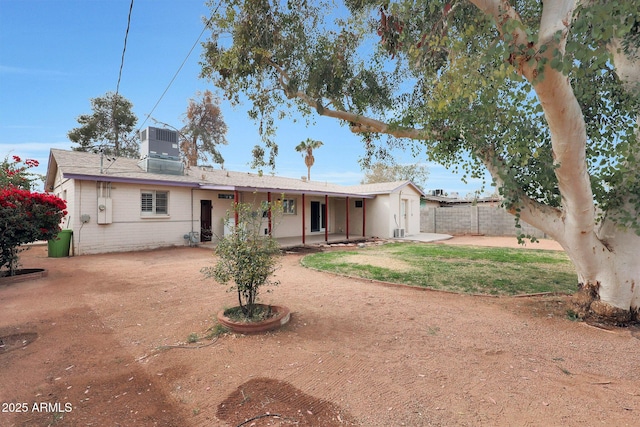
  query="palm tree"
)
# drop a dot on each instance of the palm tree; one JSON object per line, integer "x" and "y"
{"x": 307, "y": 147}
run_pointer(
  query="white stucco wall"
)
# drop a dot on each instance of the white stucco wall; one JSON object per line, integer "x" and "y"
{"x": 377, "y": 217}
{"x": 384, "y": 213}
{"x": 129, "y": 229}
{"x": 65, "y": 190}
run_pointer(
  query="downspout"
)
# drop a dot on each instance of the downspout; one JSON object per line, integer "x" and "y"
{"x": 191, "y": 213}
{"x": 269, "y": 210}
{"x": 364, "y": 216}
{"x": 400, "y": 211}
{"x": 79, "y": 198}
{"x": 303, "y": 214}
{"x": 347, "y": 227}
{"x": 235, "y": 206}
{"x": 326, "y": 218}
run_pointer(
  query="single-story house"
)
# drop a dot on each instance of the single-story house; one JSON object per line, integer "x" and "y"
{"x": 123, "y": 204}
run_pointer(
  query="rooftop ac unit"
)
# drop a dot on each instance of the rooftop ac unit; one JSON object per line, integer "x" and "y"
{"x": 160, "y": 151}
{"x": 159, "y": 142}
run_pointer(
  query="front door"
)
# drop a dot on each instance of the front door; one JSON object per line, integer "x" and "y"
{"x": 318, "y": 217}
{"x": 205, "y": 220}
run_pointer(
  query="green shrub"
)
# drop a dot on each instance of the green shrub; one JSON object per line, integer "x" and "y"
{"x": 246, "y": 256}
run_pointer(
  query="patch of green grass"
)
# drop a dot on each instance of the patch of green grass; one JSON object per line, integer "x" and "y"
{"x": 493, "y": 271}
{"x": 573, "y": 316}
{"x": 215, "y": 331}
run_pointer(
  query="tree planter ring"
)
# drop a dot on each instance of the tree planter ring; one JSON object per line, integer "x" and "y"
{"x": 282, "y": 317}
{"x": 23, "y": 275}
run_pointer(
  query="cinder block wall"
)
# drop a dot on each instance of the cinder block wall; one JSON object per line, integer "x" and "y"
{"x": 487, "y": 220}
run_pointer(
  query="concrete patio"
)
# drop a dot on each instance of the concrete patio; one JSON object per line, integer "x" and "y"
{"x": 333, "y": 238}
{"x": 319, "y": 239}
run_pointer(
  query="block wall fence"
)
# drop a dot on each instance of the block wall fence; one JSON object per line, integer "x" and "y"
{"x": 479, "y": 219}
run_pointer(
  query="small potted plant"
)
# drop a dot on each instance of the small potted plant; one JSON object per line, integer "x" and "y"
{"x": 248, "y": 257}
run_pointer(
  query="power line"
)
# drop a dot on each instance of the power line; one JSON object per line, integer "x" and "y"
{"x": 124, "y": 49}
{"x": 115, "y": 97}
{"x": 175, "y": 75}
{"x": 206, "y": 25}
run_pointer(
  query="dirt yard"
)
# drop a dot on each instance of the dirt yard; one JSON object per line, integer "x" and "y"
{"x": 101, "y": 342}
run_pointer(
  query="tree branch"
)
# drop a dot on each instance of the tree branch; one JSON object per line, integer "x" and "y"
{"x": 560, "y": 106}
{"x": 358, "y": 122}
{"x": 532, "y": 212}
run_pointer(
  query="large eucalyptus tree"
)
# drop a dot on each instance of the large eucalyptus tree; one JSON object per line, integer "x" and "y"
{"x": 544, "y": 95}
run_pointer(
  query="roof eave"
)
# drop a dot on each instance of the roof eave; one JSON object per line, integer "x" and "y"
{"x": 305, "y": 192}
{"x": 52, "y": 167}
{"x": 113, "y": 178}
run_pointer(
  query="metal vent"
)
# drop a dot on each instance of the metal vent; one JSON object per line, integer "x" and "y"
{"x": 166, "y": 135}
{"x": 163, "y": 166}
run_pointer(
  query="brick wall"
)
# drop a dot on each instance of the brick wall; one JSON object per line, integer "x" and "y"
{"x": 487, "y": 220}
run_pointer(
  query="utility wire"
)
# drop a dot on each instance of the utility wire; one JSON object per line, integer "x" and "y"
{"x": 115, "y": 97}
{"x": 206, "y": 25}
{"x": 124, "y": 49}
{"x": 175, "y": 75}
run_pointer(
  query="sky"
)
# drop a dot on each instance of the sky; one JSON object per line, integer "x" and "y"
{"x": 55, "y": 55}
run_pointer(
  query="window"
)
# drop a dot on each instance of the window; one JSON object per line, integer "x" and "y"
{"x": 289, "y": 206}
{"x": 154, "y": 202}
{"x": 358, "y": 203}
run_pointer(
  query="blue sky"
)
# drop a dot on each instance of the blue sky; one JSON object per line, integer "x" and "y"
{"x": 57, "y": 54}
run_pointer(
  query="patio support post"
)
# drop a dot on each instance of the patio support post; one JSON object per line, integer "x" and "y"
{"x": 326, "y": 218}
{"x": 269, "y": 210}
{"x": 364, "y": 216}
{"x": 235, "y": 206}
{"x": 303, "y": 237}
{"x": 347, "y": 227}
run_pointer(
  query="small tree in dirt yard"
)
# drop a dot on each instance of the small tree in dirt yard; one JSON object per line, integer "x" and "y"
{"x": 247, "y": 256}
{"x": 25, "y": 216}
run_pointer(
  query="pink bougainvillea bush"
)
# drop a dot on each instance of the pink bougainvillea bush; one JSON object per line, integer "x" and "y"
{"x": 25, "y": 216}
{"x": 16, "y": 172}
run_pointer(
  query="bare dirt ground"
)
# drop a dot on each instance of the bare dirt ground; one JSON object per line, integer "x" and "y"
{"x": 89, "y": 345}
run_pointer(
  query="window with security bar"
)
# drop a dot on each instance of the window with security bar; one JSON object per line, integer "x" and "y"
{"x": 154, "y": 203}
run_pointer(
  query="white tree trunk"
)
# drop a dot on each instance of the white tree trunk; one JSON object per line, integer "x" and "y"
{"x": 608, "y": 268}
{"x": 606, "y": 257}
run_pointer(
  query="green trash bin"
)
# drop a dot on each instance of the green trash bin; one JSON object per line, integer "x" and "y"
{"x": 59, "y": 246}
